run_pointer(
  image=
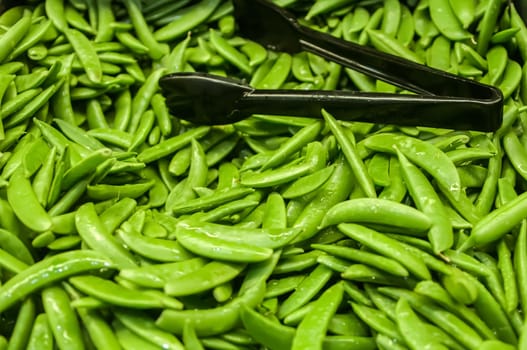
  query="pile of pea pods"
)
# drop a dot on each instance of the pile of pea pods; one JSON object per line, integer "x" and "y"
{"x": 125, "y": 227}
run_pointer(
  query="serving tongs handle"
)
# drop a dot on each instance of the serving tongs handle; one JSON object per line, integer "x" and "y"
{"x": 277, "y": 29}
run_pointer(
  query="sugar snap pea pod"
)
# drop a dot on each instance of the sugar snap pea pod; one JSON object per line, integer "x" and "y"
{"x": 442, "y": 318}
{"x": 22, "y": 328}
{"x": 208, "y": 202}
{"x": 85, "y": 167}
{"x": 511, "y": 78}
{"x": 41, "y": 337}
{"x": 265, "y": 238}
{"x": 465, "y": 11}
{"x": 303, "y": 137}
{"x": 171, "y": 145}
{"x": 132, "y": 190}
{"x": 113, "y": 216}
{"x": 275, "y": 214}
{"x": 209, "y": 276}
{"x": 411, "y": 327}
{"x": 155, "y": 49}
{"x": 383, "y": 42}
{"x": 438, "y": 294}
{"x": 86, "y": 54}
{"x": 426, "y": 199}
{"x": 15, "y": 104}
{"x": 14, "y": 35}
{"x": 331, "y": 193}
{"x": 487, "y": 25}
{"x": 143, "y": 97}
{"x": 421, "y": 153}
{"x": 377, "y": 320}
{"x": 350, "y": 152}
{"x": 446, "y": 21}
{"x": 14, "y": 245}
{"x": 153, "y": 248}
{"x": 308, "y": 183}
{"x": 76, "y": 20}
{"x": 497, "y": 62}
{"x": 213, "y": 321}
{"x": 378, "y": 211}
{"x": 387, "y": 246}
{"x": 190, "y": 18}
{"x": 215, "y": 247}
{"x": 321, "y": 7}
{"x": 277, "y": 74}
{"x": 312, "y": 329}
{"x": 510, "y": 286}
{"x": 62, "y": 318}
{"x": 142, "y": 325}
{"x": 33, "y": 106}
{"x": 306, "y": 290}
{"x": 25, "y": 204}
{"x": 377, "y": 261}
{"x": 438, "y": 55}
{"x": 520, "y": 264}
{"x": 190, "y": 339}
{"x": 94, "y": 234}
{"x": 497, "y": 223}
{"x": 277, "y": 287}
{"x": 229, "y": 52}
{"x": 115, "y": 294}
{"x": 392, "y": 17}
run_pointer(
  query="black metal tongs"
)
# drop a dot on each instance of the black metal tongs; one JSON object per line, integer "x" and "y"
{"x": 441, "y": 99}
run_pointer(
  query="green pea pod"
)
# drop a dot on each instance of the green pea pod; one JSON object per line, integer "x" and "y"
{"x": 427, "y": 156}
{"x": 41, "y": 337}
{"x": 115, "y": 294}
{"x": 25, "y": 204}
{"x": 92, "y": 232}
{"x": 215, "y": 247}
{"x": 378, "y": 211}
{"x": 152, "y": 248}
{"x": 13, "y": 35}
{"x": 209, "y": 276}
{"x": 496, "y": 224}
{"x": 86, "y": 54}
{"x": 446, "y": 21}
{"x": 212, "y": 321}
{"x": 62, "y": 318}
{"x": 277, "y": 74}
{"x": 312, "y": 329}
{"x": 52, "y": 269}
{"x": 440, "y": 234}
{"x": 229, "y": 52}
{"x": 192, "y": 17}
{"x": 487, "y": 25}
{"x": 266, "y": 238}
{"x": 142, "y": 325}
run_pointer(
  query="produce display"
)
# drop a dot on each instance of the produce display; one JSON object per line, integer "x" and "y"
{"x": 125, "y": 227}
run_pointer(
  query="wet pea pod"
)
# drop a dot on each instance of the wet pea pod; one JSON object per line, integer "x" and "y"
{"x": 115, "y": 294}
{"x": 150, "y": 247}
{"x": 377, "y": 211}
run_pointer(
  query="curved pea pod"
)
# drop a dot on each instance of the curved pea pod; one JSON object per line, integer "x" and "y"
{"x": 115, "y": 294}
{"x": 94, "y": 234}
{"x": 446, "y": 21}
{"x": 264, "y": 238}
{"x": 152, "y": 248}
{"x": 331, "y": 193}
{"x": 387, "y": 246}
{"x": 425, "y": 155}
{"x": 106, "y": 191}
{"x": 497, "y": 223}
{"x": 308, "y": 183}
{"x": 383, "y": 42}
{"x": 214, "y": 247}
{"x": 377, "y": 211}
{"x": 86, "y": 54}
{"x": 213, "y": 321}
{"x": 511, "y": 79}
{"x": 50, "y": 270}
{"x": 142, "y": 325}
{"x": 209, "y": 276}
{"x": 24, "y": 202}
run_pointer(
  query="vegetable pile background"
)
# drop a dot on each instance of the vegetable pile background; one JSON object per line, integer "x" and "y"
{"x": 124, "y": 227}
